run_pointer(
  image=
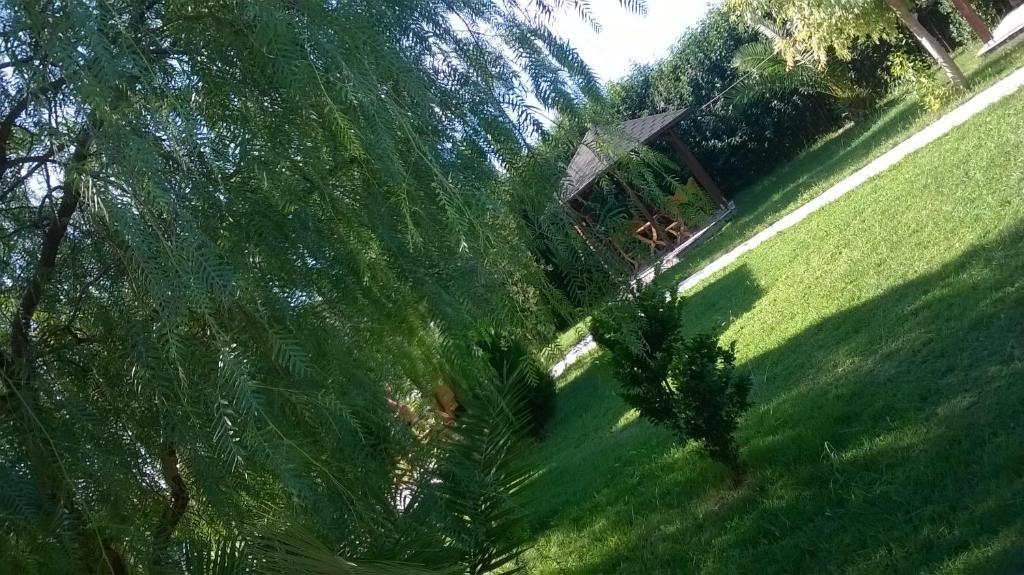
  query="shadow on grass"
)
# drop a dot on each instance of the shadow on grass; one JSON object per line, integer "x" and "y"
{"x": 594, "y": 429}
{"x": 985, "y": 70}
{"x": 592, "y": 432}
{"x": 888, "y": 438}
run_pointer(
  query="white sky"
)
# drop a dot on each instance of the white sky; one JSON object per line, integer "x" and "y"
{"x": 626, "y": 37}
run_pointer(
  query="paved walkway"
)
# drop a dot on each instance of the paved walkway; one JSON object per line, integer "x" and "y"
{"x": 941, "y": 127}
{"x": 1009, "y": 31}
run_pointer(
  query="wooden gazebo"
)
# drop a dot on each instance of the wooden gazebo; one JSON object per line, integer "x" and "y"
{"x": 592, "y": 160}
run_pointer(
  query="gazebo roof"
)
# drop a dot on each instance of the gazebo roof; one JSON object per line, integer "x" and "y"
{"x": 589, "y": 162}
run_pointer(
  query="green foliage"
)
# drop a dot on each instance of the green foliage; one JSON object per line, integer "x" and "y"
{"x": 915, "y": 76}
{"x": 639, "y": 333}
{"x": 509, "y": 356}
{"x": 959, "y": 29}
{"x": 688, "y": 385}
{"x": 886, "y": 358}
{"x": 461, "y": 512}
{"x": 232, "y": 232}
{"x": 631, "y": 96}
{"x": 765, "y": 68}
{"x": 482, "y": 474}
{"x": 823, "y": 28}
{"x": 709, "y": 395}
{"x": 737, "y": 139}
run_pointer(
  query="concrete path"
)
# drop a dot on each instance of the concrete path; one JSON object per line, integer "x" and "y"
{"x": 1010, "y": 31}
{"x": 941, "y": 127}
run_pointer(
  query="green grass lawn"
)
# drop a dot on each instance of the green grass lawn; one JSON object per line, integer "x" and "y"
{"x": 885, "y": 336}
{"x": 835, "y": 157}
{"x": 572, "y": 336}
{"x": 814, "y": 171}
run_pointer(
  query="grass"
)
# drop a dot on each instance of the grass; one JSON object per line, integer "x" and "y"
{"x": 818, "y": 168}
{"x": 835, "y": 157}
{"x": 573, "y": 335}
{"x": 885, "y": 335}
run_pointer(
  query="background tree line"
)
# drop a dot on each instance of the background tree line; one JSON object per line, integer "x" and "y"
{"x": 743, "y": 129}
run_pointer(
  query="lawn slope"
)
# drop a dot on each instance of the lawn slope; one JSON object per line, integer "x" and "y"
{"x": 885, "y": 335}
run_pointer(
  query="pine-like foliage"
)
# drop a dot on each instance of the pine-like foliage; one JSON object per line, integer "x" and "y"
{"x": 231, "y": 232}
{"x": 710, "y": 396}
{"x": 689, "y": 385}
{"x": 640, "y": 333}
{"x": 508, "y": 356}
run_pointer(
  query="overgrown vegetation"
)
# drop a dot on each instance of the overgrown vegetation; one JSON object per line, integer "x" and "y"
{"x": 234, "y": 234}
{"x": 248, "y": 248}
{"x": 687, "y": 384}
{"x": 735, "y": 139}
{"x": 709, "y": 396}
{"x": 480, "y": 475}
{"x": 639, "y": 333}
{"x": 512, "y": 356}
{"x": 883, "y": 336}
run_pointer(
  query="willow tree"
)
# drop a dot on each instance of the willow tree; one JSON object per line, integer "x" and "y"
{"x": 232, "y": 231}
{"x": 831, "y": 27}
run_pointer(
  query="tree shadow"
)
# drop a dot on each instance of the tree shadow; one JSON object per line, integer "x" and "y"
{"x": 887, "y": 438}
{"x": 995, "y": 66}
{"x": 592, "y": 430}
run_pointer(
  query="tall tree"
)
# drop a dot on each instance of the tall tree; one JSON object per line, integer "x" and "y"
{"x": 832, "y": 27}
{"x": 232, "y": 231}
{"x": 735, "y": 138}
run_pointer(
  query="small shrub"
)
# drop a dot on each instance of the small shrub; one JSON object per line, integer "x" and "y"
{"x": 480, "y": 474}
{"x": 709, "y": 396}
{"x": 688, "y": 385}
{"x": 508, "y": 355}
{"x": 638, "y": 334}
{"x": 916, "y": 76}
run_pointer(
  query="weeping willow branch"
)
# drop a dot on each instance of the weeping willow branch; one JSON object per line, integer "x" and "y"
{"x": 17, "y": 368}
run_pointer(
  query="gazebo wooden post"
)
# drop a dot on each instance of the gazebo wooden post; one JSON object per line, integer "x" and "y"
{"x": 578, "y": 215}
{"x": 581, "y": 214}
{"x": 610, "y": 238}
{"x": 643, "y": 208}
{"x": 685, "y": 155}
{"x": 974, "y": 20}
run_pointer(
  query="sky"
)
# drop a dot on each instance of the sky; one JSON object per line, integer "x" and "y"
{"x": 626, "y": 37}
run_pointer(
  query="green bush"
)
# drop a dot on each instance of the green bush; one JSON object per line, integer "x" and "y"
{"x": 914, "y": 75}
{"x": 638, "y": 334}
{"x": 688, "y": 385}
{"x": 709, "y": 396}
{"x": 737, "y": 142}
{"x": 508, "y": 356}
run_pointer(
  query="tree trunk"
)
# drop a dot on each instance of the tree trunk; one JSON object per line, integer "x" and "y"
{"x": 974, "y": 20}
{"x": 177, "y": 505}
{"x": 686, "y": 156}
{"x": 929, "y": 42}
{"x": 97, "y": 552}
